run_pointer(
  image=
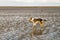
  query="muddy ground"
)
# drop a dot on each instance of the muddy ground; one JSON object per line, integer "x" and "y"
{"x": 19, "y": 28}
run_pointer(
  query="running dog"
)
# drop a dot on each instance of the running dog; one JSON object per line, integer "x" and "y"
{"x": 35, "y": 21}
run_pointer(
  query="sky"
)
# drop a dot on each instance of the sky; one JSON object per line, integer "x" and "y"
{"x": 29, "y": 2}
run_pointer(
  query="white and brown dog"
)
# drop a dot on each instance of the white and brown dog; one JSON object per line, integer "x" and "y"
{"x": 35, "y": 21}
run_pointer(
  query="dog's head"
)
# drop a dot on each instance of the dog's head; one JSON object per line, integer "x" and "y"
{"x": 30, "y": 19}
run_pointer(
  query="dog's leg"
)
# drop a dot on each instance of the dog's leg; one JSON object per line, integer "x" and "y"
{"x": 41, "y": 24}
{"x": 42, "y": 27}
{"x": 33, "y": 29}
{"x": 34, "y": 25}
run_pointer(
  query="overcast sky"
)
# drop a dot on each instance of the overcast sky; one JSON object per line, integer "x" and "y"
{"x": 29, "y": 2}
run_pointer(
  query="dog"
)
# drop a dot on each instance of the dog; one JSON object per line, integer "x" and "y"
{"x": 35, "y": 21}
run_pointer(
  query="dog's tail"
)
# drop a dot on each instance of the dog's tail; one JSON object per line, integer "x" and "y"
{"x": 44, "y": 20}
